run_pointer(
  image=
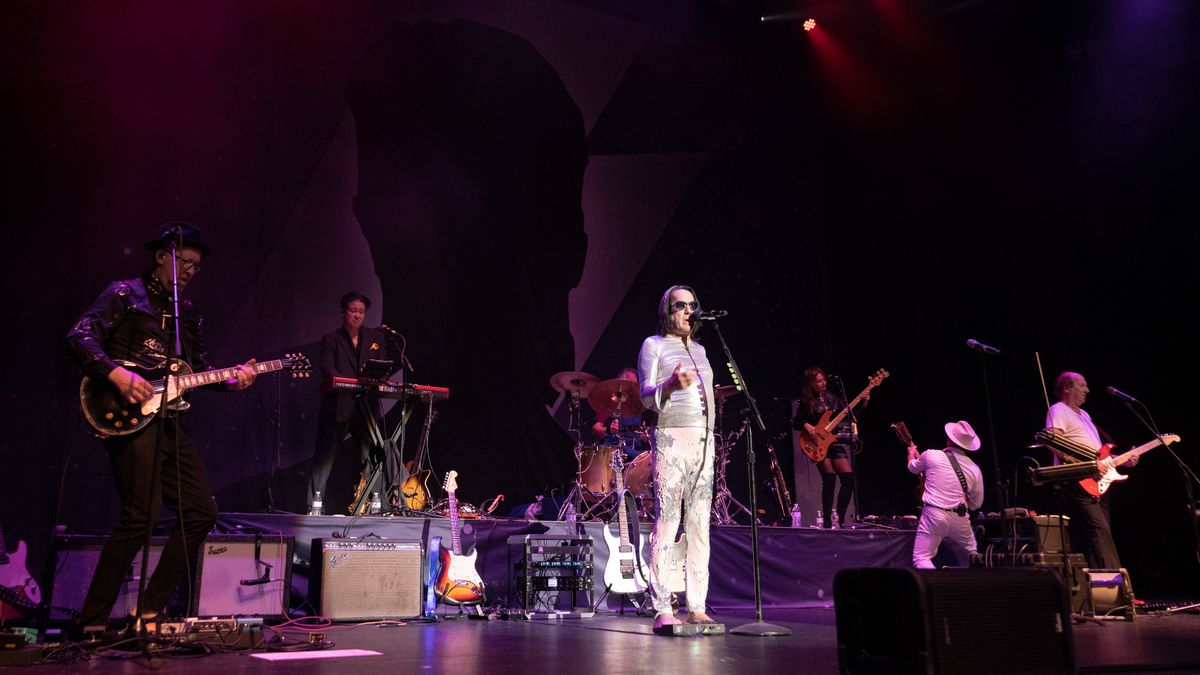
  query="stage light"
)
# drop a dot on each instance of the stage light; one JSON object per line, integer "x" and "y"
{"x": 810, "y": 24}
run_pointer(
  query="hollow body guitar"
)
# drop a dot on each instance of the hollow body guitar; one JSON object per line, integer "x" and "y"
{"x": 816, "y": 445}
{"x": 901, "y": 430}
{"x": 458, "y": 582}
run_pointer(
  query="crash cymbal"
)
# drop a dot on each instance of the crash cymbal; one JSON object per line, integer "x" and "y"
{"x": 616, "y": 397}
{"x": 577, "y": 383}
{"x": 725, "y": 391}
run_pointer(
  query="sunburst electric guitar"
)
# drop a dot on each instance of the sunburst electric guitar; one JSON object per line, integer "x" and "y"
{"x": 816, "y": 445}
{"x": 19, "y": 592}
{"x": 625, "y": 572}
{"x": 458, "y": 583}
{"x": 111, "y": 415}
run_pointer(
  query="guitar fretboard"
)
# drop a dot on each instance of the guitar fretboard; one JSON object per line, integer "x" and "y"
{"x": 455, "y": 543}
{"x": 222, "y": 374}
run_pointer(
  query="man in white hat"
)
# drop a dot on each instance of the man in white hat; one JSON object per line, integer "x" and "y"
{"x": 953, "y": 488}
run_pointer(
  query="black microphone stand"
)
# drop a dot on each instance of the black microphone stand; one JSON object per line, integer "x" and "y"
{"x": 1184, "y": 469}
{"x": 172, "y": 326}
{"x": 758, "y": 627}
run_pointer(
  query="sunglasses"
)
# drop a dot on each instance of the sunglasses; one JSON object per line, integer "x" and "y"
{"x": 680, "y": 305}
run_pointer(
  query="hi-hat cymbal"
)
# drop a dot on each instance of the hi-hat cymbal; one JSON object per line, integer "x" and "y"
{"x": 577, "y": 383}
{"x": 725, "y": 391}
{"x": 616, "y": 397}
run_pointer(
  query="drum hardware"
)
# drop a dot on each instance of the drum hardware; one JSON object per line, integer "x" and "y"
{"x": 616, "y": 398}
{"x": 576, "y": 384}
{"x": 723, "y": 498}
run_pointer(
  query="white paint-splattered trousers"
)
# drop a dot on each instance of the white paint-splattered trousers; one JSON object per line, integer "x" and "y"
{"x": 683, "y": 487}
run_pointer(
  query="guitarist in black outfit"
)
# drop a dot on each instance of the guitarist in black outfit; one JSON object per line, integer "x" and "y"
{"x": 815, "y": 400}
{"x": 129, "y": 322}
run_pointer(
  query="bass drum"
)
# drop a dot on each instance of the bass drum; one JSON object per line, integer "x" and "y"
{"x": 639, "y": 481}
{"x": 595, "y": 470}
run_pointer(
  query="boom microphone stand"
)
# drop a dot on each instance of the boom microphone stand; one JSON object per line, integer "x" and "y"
{"x": 758, "y": 628}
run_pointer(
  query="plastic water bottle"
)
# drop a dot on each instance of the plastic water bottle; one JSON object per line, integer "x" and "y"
{"x": 317, "y": 504}
{"x": 376, "y": 504}
{"x": 795, "y": 515}
{"x": 820, "y": 520}
{"x": 571, "y": 513}
{"x": 833, "y": 518}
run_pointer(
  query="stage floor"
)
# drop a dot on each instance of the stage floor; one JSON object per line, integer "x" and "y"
{"x": 608, "y": 643}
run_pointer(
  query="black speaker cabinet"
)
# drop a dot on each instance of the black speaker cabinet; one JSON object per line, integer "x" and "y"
{"x": 75, "y": 558}
{"x": 988, "y": 620}
{"x": 244, "y": 575}
{"x": 366, "y": 579}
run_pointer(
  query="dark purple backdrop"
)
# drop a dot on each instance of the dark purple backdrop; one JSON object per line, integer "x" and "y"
{"x": 870, "y": 195}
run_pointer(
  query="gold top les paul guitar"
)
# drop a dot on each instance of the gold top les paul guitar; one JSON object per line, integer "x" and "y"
{"x": 816, "y": 445}
{"x": 109, "y": 414}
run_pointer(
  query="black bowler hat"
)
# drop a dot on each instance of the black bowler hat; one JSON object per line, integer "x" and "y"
{"x": 188, "y": 235}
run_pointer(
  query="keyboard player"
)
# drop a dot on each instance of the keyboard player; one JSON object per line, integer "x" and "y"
{"x": 344, "y": 352}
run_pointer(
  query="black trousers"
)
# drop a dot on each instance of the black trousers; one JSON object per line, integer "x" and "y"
{"x": 1089, "y": 528}
{"x": 329, "y": 440}
{"x": 183, "y": 486}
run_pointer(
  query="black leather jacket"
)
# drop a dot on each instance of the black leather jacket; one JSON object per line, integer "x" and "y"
{"x": 126, "y": 323}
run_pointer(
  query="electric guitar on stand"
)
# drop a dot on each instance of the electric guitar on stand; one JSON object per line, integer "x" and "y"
{"x": 415, "y": 490}
{"x": 19, "y": 592}
{"x": 625, "y": 572}
{"x": 816, "y": 445}
{"x": 109, "y": 414}
{"x": 458, "y": 583}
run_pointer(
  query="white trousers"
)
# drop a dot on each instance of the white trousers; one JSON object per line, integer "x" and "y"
{"x": 683, "y": 488}
{"x": 936, "y": 525}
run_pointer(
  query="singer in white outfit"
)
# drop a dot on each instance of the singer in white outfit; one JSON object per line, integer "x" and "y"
{"x": 677, "y": 382}
{"x": 949, "y": 494}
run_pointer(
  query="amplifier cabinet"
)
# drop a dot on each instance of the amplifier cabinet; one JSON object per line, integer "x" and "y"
{"x": 75, "y": 558}
{"x": 980, "y": 621}
{"x": 367, "y": 579}
{"x": 245, "y": 575}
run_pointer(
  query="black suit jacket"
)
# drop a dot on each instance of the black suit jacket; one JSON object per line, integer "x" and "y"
{"x": 340, "y": 358}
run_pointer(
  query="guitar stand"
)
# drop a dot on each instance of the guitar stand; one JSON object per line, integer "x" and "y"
{"x": 639, "y": 607}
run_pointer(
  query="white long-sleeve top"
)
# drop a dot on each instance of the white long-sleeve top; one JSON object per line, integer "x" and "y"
{"x": 691, "y": 407}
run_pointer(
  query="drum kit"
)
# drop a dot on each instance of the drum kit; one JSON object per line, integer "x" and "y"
{"x": 593, "y": 494}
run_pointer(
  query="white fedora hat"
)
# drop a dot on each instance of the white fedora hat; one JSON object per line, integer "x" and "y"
{"x": 962, "y": 435}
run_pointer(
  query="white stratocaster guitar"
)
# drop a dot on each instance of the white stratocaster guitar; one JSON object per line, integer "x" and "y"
{"x": 19, "y": 592}
{"x": 625, "y": 572}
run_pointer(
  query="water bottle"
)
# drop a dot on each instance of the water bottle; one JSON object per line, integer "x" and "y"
{"x": 376, "y": 504}
{"x": 571, "y": 513}
{"x": 833, "y": 519}
{"x": 820, "y": 520}
{"x": 795, "y": 515}
{"x": 317, "y": 504}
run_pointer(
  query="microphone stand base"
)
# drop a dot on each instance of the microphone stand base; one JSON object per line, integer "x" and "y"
{"x": 761, "y": 629}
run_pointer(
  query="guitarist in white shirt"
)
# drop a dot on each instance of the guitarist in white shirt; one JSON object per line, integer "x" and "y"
{"x": 953, "y": 487}
{"x": 1089, "y": 526}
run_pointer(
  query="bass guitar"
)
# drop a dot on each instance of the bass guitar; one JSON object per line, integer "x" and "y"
{"x": 458, "y": 582}
{"x": 109, "y": 414}
{"x": 625, "y": 572}
{"x": 19, "y": 592}
{"x": 1106, "y": 463}
{"x": 816, "y": 445}
{"x": 901, "y": 430}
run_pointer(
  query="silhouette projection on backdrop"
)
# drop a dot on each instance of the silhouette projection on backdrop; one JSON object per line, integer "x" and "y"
{"x": 470, "y": 176}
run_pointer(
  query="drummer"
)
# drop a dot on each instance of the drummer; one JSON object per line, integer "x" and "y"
{"x": 627, "y": 431}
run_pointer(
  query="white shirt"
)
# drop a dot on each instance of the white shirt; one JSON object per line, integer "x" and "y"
{"x": 942, "y": 488}
{"x": 1076, "y": 426}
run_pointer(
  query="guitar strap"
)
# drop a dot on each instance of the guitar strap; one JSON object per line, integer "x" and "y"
{"x": 958, "y": 472}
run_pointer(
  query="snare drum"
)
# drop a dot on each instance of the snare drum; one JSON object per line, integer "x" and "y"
{"x": 595, "y": 469}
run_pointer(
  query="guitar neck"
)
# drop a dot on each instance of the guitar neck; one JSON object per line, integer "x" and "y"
{"x": 455, "y": 542}
{"x": 207, "y": 377}
{"x": 833, "y": 423}
{"x": 621, "y": 519}
{"x": 1136, "y": 452}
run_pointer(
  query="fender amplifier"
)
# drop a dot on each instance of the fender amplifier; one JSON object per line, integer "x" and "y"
{"x": 244, "y": 575}
{"x": 984, "y": 620}
{"x": 366, "y": 579}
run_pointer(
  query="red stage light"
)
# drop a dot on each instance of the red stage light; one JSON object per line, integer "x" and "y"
{"x": 810, "y": 24}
